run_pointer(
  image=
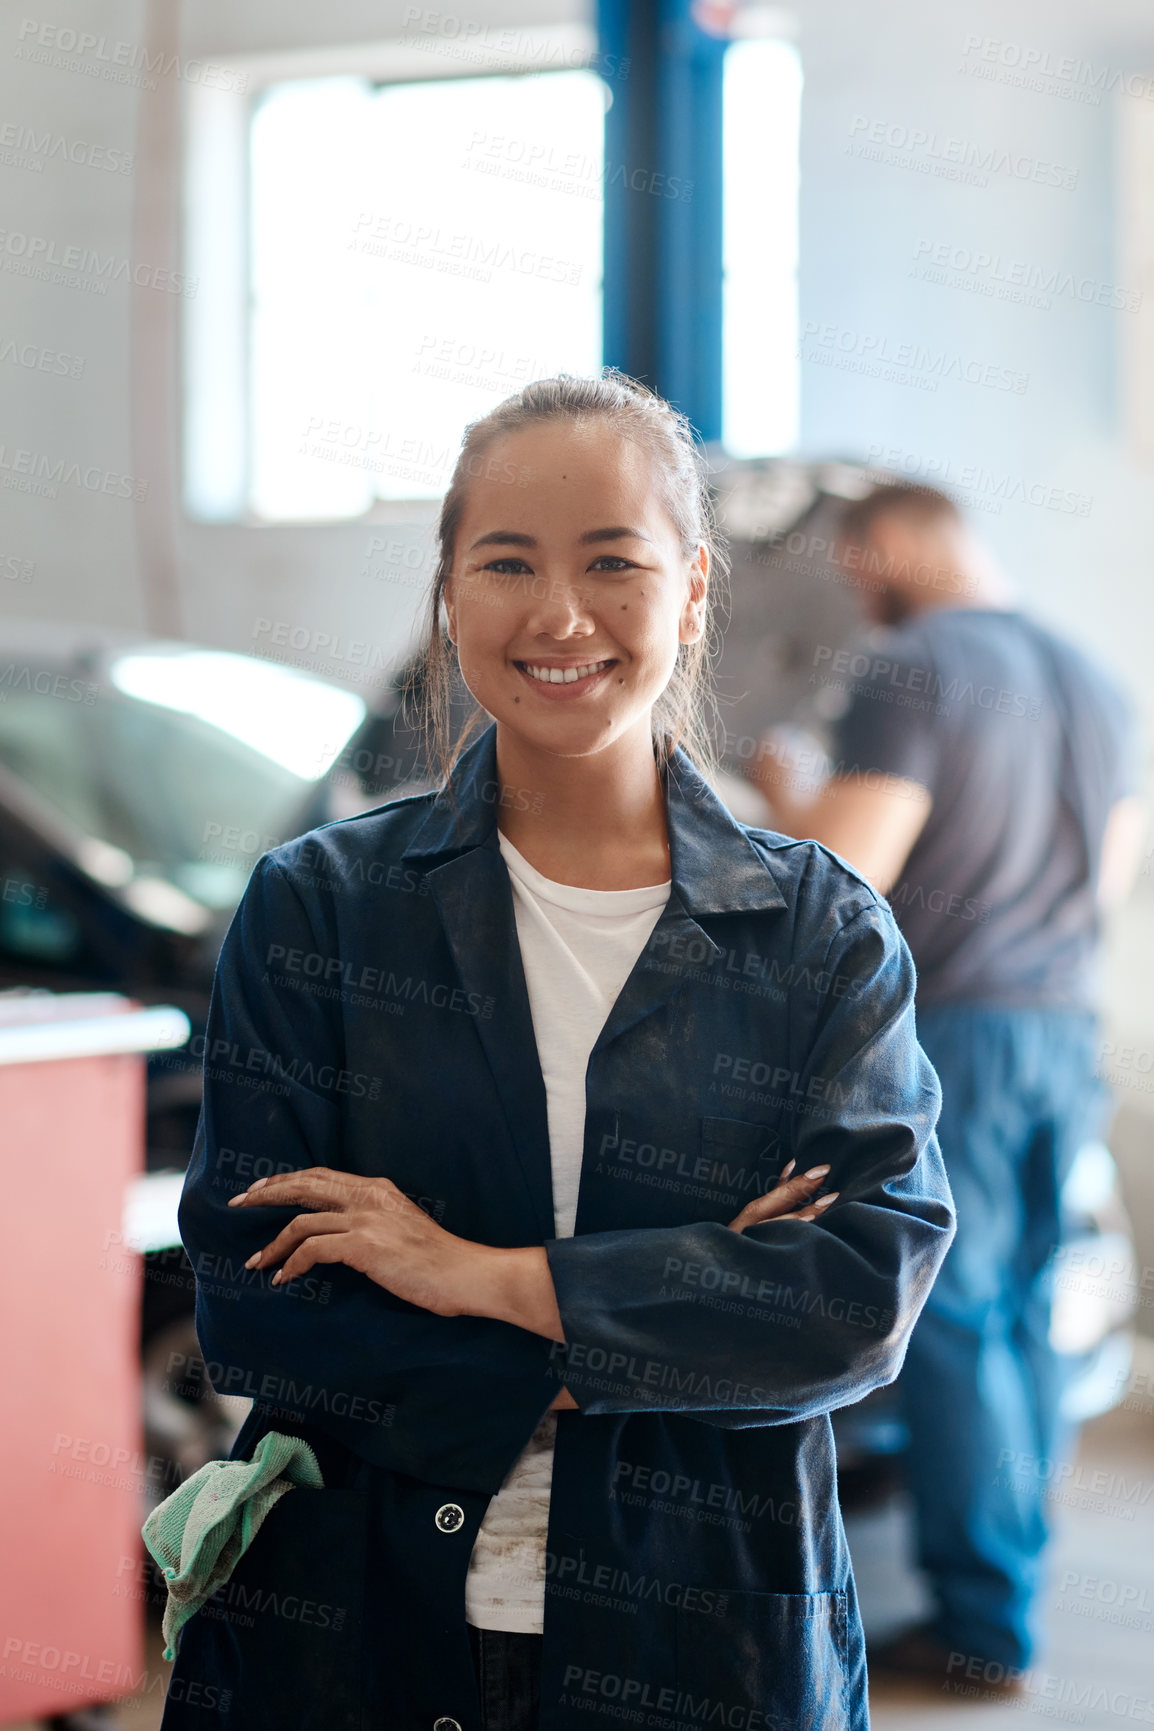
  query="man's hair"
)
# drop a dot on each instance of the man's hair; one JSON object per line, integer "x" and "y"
{"x": 921, "y": 506}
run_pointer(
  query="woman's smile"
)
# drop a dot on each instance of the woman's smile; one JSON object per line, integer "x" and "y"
{"x": 563, "y": 681}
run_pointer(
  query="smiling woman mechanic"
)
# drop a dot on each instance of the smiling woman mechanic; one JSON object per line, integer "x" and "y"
{"x": 550, "y": 1067}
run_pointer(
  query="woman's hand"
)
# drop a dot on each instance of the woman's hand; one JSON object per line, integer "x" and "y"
{"x": 371, "y": 1225}
{"x": 788, "y": 1200}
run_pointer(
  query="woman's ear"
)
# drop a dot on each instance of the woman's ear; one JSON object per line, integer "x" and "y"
{"x": 697, "y": 590}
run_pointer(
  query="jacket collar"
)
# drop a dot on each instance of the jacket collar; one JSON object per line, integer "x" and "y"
{"x": 713, "y": 865}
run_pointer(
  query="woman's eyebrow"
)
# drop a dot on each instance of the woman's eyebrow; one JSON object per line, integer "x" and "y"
{"x": 503, "y": 538}
{"x": 514, "y": 538}
{"x": 617, "y": 533}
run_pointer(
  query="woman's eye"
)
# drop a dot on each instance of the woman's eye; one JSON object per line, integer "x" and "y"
{"x": 506, "y": 567}
{"x": 613, "y": 562}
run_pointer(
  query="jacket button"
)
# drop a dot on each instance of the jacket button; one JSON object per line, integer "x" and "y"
{"x": 448, "y": 1518}
{"x": 446, "y": 1725}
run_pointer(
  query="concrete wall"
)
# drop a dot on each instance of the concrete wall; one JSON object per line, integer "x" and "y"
{"x": 78, "y": 553}
{"x": 872, "y": 229}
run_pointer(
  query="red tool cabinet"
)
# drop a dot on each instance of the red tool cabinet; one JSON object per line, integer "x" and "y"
{"x": 71, "y": 1503}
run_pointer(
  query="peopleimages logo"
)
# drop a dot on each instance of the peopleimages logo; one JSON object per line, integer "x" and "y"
{"x": 21, "y": 146}
{"x": 1015, "y": 279}
{"x": 35, "y": 471}
{"x": 95, "y": 56}
{"x": 929, "y": 152}
{"x": 883, "y": 674}
{"x": 82, "y": 266}
{"x": 1031, "y": 68}
{"x": 224, "y": 1056}
{"x": 633, "y": 1693}
{"x": 881, "y": 356}
{"x": 974, "y": 483}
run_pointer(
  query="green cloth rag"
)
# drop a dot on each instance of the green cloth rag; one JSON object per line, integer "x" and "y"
{"x": 199, "y": 1534}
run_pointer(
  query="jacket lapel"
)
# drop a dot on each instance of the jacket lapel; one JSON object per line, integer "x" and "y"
{"x": 660, "y": 970}
{"x": 714, "y": 869}
{"x": 475, "y": 902}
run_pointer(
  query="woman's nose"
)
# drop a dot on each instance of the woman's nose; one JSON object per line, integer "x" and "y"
{"x": 563, "y": 610}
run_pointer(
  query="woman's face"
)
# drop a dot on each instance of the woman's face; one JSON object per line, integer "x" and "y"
{"x": 569, "y": 591}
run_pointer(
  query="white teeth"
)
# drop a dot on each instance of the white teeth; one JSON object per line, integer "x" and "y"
{"x": 564, "y": 675}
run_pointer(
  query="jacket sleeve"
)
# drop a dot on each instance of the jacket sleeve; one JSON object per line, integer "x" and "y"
{"x": 448, "y": 1399}
{"x": 790, "y": 1318}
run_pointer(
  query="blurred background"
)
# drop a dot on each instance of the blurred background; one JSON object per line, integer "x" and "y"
{"x": 259, "y": 266}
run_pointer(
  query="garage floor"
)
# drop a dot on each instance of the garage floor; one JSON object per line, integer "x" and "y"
{"x": 1096, "y": 1674}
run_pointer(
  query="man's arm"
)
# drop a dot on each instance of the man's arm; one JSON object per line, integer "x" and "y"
{"x": 872, "y": 826}
{"x": 1121, "y": 851}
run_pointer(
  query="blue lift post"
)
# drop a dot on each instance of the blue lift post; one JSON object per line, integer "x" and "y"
{"x": 663, "y": 209}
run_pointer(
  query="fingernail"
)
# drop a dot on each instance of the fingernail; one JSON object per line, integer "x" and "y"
{"x": 817, "y": 1171}
{"x": 786, "y": 1170}
{"x": 276, "y": 1279}
{"x": 233, "y": 1200}
{"x": 824, "y": 1201}
{"x": 260, "y": 1181}
{"x": 253, "y": 1259}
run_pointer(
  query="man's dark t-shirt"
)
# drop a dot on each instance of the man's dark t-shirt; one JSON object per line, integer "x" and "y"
{"x": 1024, "y": 745}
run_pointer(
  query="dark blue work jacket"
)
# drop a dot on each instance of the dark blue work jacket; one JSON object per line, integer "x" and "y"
{"x": 370, "y": 1013}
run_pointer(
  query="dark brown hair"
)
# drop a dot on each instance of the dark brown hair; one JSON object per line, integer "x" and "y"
{"x": 920, "y": 505}
{"x": 685, "y": 713}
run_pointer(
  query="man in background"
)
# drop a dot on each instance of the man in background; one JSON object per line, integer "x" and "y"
{"x": 985, "y": 782}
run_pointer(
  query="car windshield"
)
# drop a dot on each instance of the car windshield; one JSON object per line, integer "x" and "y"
{"x": 182, "y": 769}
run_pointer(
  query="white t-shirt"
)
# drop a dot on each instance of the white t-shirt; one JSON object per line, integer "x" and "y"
{"x": 578, "y": 948}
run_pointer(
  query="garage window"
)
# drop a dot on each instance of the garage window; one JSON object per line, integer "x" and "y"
{"x": 414, "y": 252}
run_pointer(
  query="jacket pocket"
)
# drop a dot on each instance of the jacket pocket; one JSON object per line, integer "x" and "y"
{"x": 776, "y": 1660}
{"x": 282, "y": 1642}
{"x": 759, "y": 1143}
{"x": 739, "y": 1162}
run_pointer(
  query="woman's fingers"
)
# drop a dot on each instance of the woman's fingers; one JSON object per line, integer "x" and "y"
{"x": 814, "y": 1211}
{"x": 785, "y": 1201}
{"x": 304, "y": 1226}
{"x": 787, "y": 1194}
{"x": 315, "y": 1187}
{"x": 318, "y": 1247}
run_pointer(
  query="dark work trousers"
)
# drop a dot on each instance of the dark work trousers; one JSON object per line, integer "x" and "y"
{"x": 981, "y": 1384}
{"x": 509, "y": 1678}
